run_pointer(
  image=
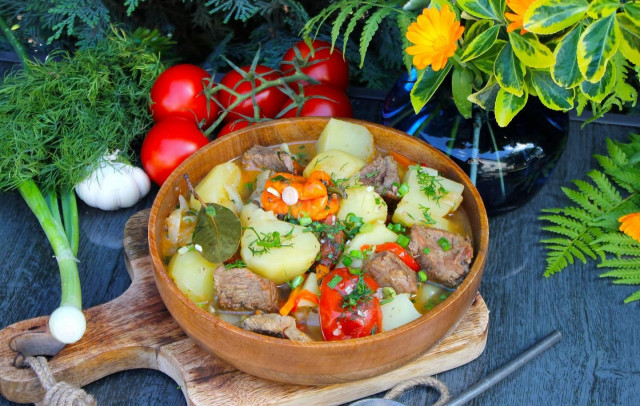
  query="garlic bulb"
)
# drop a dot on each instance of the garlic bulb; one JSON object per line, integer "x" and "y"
{"x": 113, "y": 185}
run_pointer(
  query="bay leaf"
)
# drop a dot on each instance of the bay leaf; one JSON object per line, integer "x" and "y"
{"x": 218, "y": 232}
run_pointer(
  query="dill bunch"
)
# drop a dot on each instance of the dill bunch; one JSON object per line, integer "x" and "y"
{"x": 59, "y": 117}
{"x": 590, "y": 228}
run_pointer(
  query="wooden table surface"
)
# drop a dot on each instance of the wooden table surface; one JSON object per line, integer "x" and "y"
{"x": 597, "y": 362}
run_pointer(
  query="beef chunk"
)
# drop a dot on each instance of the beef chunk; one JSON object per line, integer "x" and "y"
{"x": 446, "y": 267}
{"x": 241, "y": 289}
{"x": 382, "y": 173}
{"x": 331, "y": 244}
{"x": 389, "y": 270}
{"x": 259, "y": 158}
{"x": 275, "y": 325}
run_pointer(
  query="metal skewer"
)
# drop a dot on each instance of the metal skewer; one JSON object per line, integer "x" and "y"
{"x": 502, "y": 372}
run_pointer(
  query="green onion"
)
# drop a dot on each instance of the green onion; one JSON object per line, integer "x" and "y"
{"x": 355, "y": 271}
{"x": 334, "y": 281}
{"x": 426, "y": 250}
{"x": 422, "y": 276}
{"x": 347, "y": 261}
{"x": 444, "y": 244}
{"x": 403, "y": 189}
{"x": 297, "y": 281}
{"x": 305, "y": 221}
{"x": 403, "y": 240}
{"x": 355, "y": 254}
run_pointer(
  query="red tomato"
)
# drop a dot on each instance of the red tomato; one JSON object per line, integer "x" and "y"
{"x": 232, "y": 126}
{"x": 177, "y": 92}
{"x": 269, "y": 100}
{"x": 330, "y": 68}
{"x": 323, "y": 101}
{"x": 167, "y": 144}
{"x": 349, "y": 315}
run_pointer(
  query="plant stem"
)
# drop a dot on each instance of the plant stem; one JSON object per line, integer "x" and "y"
{"x": 13, "y": 41}
{"x": 71, "y": 220}
{"x": 67, "y": 262}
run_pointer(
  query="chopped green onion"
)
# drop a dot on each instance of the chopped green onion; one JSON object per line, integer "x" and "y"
{"x": 426, "y": 250}
{"x": 347, "y": 261}
{"x": 305, "y": 221}
{"x": 444, "y": 244}
{"x": 403, "y": 189}
{"x": 403, "y": 240}
{"x": 355, "y": 271}
{"x": 297, "y": 281}
{"x": 334, "y": 281}
{"x": 355, "y": 254}
{"x": 422, "y": 276}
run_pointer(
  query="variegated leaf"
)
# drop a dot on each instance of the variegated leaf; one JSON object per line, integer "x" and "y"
{"x": 597, "y": 44}
{"x": 478, "y": 8}
{"x": 551, "y": 16}
{"x": 481, "y": 44}
{"x": 498, "y": 6}
{"x": 486, "y": 62}
{"x": 427, "y": 83}
{"x": 602, "y": 8}
{"x": 441, "y": 3}
{"x": 549, "y": 93}
{"x": 632, "y": 10}
{"x": 476, "y": 29}
{"x": 565, "y": 71}
{"x": 509, "y": 71}
{"x": 530, "y": 51}
{"x": 629, "y": 38}
{"x": 508, "y": 105}
{"x": 598, "y": 91}
{"x": 461, "y": 86}
{"x": 486, "y": 97}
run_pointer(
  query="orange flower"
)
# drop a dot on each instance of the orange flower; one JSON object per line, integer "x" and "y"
{"x": 630, "y": 225}
{"x": 434, "y": 35}
{"x": 519, "y": 7}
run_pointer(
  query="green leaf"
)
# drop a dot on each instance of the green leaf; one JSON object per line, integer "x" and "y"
{"x": 339, "y": 21}
{"x": 486, "y": 97}
{"x": 509, "y": 71}
{"x": 508, "y": 105}
{"x": 498, "y": 6}
{"x": 481, "y": 44}
{"x": 487, "y": 60}
{"x": 598, "y": 91}
{"x": 597, "y": 44}
{"x": 461, "y": 85}
{"x": 565, "y": 71}
{"x": 632, "y": 10}
{"x": 426, "y": 85}
{"x": 369, "y": 30}
{"x": 530, "y": 51}
{"x": 217, "y": 234}
{"x": 629, "y": 38}
{"x": 602, "y": 8}
{"x": 549, "y": 93}
{"x": 479, "y": 8}
{"x": 357, "y": 16}
{"x": 551, "y": 16}
{"x": 477, "y": 28}
{"x": 403, "y": 22}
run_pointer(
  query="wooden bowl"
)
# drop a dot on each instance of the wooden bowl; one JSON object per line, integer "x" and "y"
{"x": 314, "y": 363}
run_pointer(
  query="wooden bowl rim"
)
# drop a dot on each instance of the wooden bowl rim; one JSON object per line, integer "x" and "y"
{"x": 476, "y": 269}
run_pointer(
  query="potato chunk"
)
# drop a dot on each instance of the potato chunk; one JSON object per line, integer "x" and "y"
{"x": 221, "y": 185}
{"x": 348, "y": 137}
{"x": 398, "y": 312}
{"x": 193, "y": 275}
{"x": 378, "y": 233}
{"x": 429, "y": 199}
{"x": 364, "y": 202}
{"x": 279, "y": 257}
{"x": 337, "y": 163}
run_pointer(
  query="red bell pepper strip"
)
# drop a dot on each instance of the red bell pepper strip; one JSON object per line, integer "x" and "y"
{"x": 398, "y": 250}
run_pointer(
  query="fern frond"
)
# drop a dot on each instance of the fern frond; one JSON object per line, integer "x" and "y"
{"x": 614, "y": 171}
{"x": 357, "y": 16}
{"x": 617, "y": 239}
{"x": 635, "y": 296}
{"x": 607, "y": 189}
{"x": 404, "y": 21}
{"x": 581, "y": 199}
{"x": 240, "y": 10}
{"x": 627, "y": 281}
{"x": 339, "y": 21}
{"x": 557, "y": 261}
{"x": 370, "y": 29}
{"x": 621, "y": 267}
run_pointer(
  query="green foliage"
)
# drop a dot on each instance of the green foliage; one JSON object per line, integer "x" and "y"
{"x": 62, "y": 115}
{"x": 589, "y": 228}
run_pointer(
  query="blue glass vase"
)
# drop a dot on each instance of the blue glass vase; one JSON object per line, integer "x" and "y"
{"x": 508, "y": 165}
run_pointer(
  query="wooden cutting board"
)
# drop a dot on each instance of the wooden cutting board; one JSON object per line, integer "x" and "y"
{"x": 136, "y": 331}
